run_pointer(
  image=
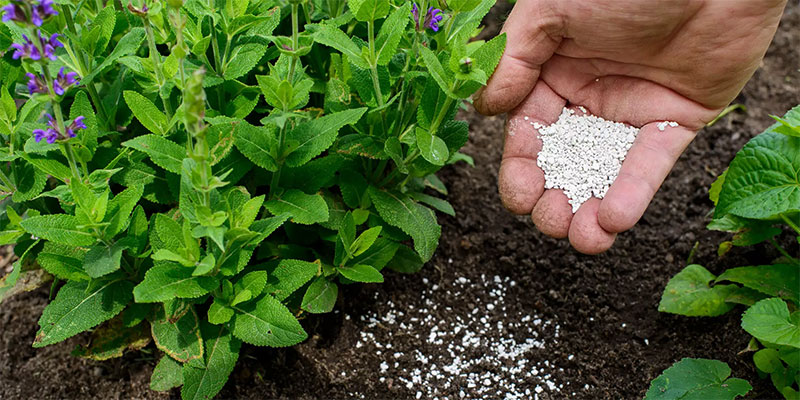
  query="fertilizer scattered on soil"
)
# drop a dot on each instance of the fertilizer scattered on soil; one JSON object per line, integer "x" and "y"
{"x": 490, "y": 352}
{"x": 582, "y": 154}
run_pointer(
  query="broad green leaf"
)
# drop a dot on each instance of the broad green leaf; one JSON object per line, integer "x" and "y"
{"x": 165, "y": 153}
{"x": 111, "y": 340}
{"x": 365, "y": 241}
{"x": 767, "y": 360}
{"x": 289, "y": 276}
{"x": 137, "y": 230}
{"x": 29, "y": 182}
{"x": 688, "y": 293}
{"x": 697, "y": 379}
{"x": 415, "y": 220}
{"x": 242, "y": 60}
{"x": 485, "y": 59}
{"x": 361, "y": 273}
{"x": 221, "y": 353}
{"x": 63, "y": 261}
{"x": 333, "y": 37}
{"x": 762, "y": 181}
{"x": 102, "y": 259}
{"x": 146, "y": 112}
{"x": 435, "y": 202}
{"x": 392, "y": 30}
{"x": 315, "y": 136}
{"x": 166, "y": 233}
{"x": 380, "y": 253}
{"x": 304, "y": 208}
{"x": 168, "y": 280}
{"x": 253, "y": 283}
{"x": 405, "y": 261}
{"x": 769, "y": 321}
{"x": 78, "y": 307}
{"x": 59, "y": 228}
{"x": 716, "y": 188}
{"x": 219, "y": 313}
{"x": 180, "y": 339}
{"x": 126, "y": 46}
{"x": 265, "y": 227}
{"x": 249, "y": 211}
{"x": 118, "y": 213}
{"x": 267, "y": 322}
{"x": 257, "y": 144}
{"x": 437, "y": 71}
{"x": 433, "y": 148}
{"x": 369, "y": 10}
{"x": 320, "y": 296}
{"x": 167, "y": 374}
{"x": 49, "y": 166}
{"x": 105, "y": 20}
{"x": 782, "y": 280}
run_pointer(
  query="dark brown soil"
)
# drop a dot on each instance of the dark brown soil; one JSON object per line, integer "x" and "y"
{"x": 605, "y": 306}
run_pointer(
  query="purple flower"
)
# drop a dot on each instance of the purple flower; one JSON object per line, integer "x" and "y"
{"x": 29, "y": 50}
{"x": 13, "y": 12}
{"x": 42, "y": 11}
{"x": 64, "y": 81}
{"x": 52, "y": 133}
{"x": 431, "y": 20}
{"x": 49, "y": 135}
{"x": 36, "y": 84}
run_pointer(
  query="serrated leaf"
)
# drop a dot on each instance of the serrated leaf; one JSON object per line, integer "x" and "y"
{"x": 379, "y": 254}
{"x": 361, "y": 273}
{"x": 697, "y": 379}
{"x": 77, "y": 308}
{"x": 63, "y": 261}
{"x": 219, "y": 313}
{"x": 257, "y": 144}
{"x": 253, "y": 282}
{"x": 332, "y": 36}
{"x": 119, "y": 210}
{"x": 266, "y": 226}
{"x": 146, "y": 112}
{"x": 435, "y": 202}
{"x": 59, "y": 228}
{"x": 433, "y": 148}
{"x": 111, "y": 340}
{"x": 391, "y": 32}
{"x": 320, "y": 296}
{"x": 267, "y": 322}
{"x": 369, "y": 10}
{"x": 304, "y": 208}
{"x": 761, "y": 181}
{"x": 168, "y": 280}
{"x": 242, "y": 60}
{"x": 289, "y": 276}
{"x": 437, "y": 71}
{"x": 221, "y": 353}
{"x": 781, "y": 280}
{"x": 49, "y": 166}
{"x": 315, "y": 136}
{"x": 405, "y": 261}
{"x": 29, "y": 182}
{"x": 102, "y": 259}
{"x": 165, "y": 153}
{"x": 365, "y": 241}
{"x": 167, "y": 374}
{"x": 415, "y": 220}
{"x": 769, "y": 321}
{"x": 126, "y": 46}
{"x": 688, "y": 293}
{"x": 180, "y": 338}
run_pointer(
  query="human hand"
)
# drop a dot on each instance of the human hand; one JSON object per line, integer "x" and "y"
{"x": 633, "y": 61}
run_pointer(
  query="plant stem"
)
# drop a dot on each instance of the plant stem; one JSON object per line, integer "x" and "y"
{"x": 71, "y": 158}
{"x": 6, "y": 181}
{"x": 790, "y": 223}
{"x": 295, "y": 40}
{"x": 781, "y": 250}
{"x": 155, "y": 57}
{"x": 373, "y": 64}
{"x": 276, "y": 176}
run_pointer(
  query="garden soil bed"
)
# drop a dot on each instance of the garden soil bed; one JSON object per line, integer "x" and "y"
{"x": 500, "y": 312}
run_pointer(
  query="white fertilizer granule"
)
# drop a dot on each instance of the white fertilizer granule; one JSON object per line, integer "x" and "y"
{"x": 582, "y": 154}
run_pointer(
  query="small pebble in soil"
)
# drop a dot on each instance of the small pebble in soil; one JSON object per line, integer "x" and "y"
{"x": 582, "y": 153}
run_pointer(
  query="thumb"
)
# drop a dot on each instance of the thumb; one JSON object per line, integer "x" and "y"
{"x": 534, "y": 32}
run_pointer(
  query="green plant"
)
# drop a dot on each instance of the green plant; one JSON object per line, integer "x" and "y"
{"x": 755, "y": 198}
{"x": 180, "y": 206}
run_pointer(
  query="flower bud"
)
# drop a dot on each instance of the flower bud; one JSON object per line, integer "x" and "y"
{"x": 194, "y": 99}
{"x": 466, "y": 65}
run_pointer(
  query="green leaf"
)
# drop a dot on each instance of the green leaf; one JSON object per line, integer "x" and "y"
{"x": 63, "y": 261}
{"x": 289, "y": 276}
{"x": 332, "y": 36}
{"x": 167, "y": 374}
{"x": 169, "y": 280}
{"x": 265, "y": 227}
{"x": 78, "y": 307}
{"x": 243, "y": 59}
{"x": 221, "y": 353}
{"x": 697, "y": 379}
{"x": 146, "y": 112}
{"x": 258, "y": 144}
{"x": 716, "y": 188}
{"x": 59, "y": 228}
{"x": 253, "y": 282}
{"x": 179, "y": 338}
{"x": 219, "y": 313}
{"x": 405, "y": 261}
{"x": 762, "y": 181}
{"x": 380, "y": 253}
{"x": 435, "y": 202}
{"x": 165, "y": 153}
{"x": 304, "y": 208}
{"x": 781, "y": 280}
{"x": 320, "y": 296}
{"x": 688, "y": 293}
{"x": 361, "y": 273}
{"x": 102, "y": 259}
{"x": 166, "y": 233}
{"x": 267, "y": 322}
{"x": 118, "y": 213}
{"x": 129, "y": 43}
{"x": 315, "y": 136}
{"x": 49, "y": 166}
{"x": 369, "y": 10}
{"x": 111, "y": 339}
{"x": 105, "y": 20}
{"x": 433, "y": 148}
{"x": 769, "y": 321}
{"x": 437, "y": 71}
{"x": 486, "y": 59}
{"x": 29, "y": 182}
{"x": 365, "y": 241}
{"x": 392, "y": 30}
{"x": 415, "y": 220}
{"x": 767, "y": 360}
